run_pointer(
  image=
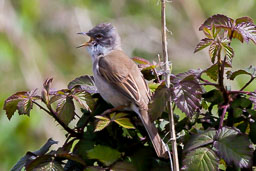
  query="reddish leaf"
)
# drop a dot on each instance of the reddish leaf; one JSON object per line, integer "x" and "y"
{"x": 203, "y": 44}
{"x": 213, "y": 50}
{"x": 84, "y": 99}
{"x": 245, "y": 32}
{"x": 186, "y": 91}
{"x": 243, "y": 20}
{"x": 219, "y": 21}
{"x": 85, "y": 82}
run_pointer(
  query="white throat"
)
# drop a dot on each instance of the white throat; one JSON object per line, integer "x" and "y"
{"x": 97, "y": 50}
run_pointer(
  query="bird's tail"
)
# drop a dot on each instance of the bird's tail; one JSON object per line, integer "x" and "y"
{"x": 160, "y": 147}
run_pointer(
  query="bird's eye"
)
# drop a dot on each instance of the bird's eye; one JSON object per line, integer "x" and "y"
{"x": 98, "y": 36}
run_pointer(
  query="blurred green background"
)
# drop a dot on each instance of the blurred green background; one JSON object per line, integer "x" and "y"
{"x": 38, "y": 40}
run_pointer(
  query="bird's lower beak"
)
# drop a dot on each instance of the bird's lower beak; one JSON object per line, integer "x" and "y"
{"x": 86, "y": 43}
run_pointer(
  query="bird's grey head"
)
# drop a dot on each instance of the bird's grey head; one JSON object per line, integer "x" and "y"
{"x": 104, "y": 38}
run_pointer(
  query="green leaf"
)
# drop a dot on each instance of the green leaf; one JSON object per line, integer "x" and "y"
{"x": 66, "y": 110}
{"x": 102, "y": 123}
{"x": 251, "y": 71}
{"x": 214, "y": 47}
{"x": 203, "y": 44}
{"x": 201, "y": 159}
{"x": 121, "y": 120}
{"x": 104, "y": 154}
{"x": 122, "y": 166}
{"x": 237, "y": 112}
{"x": 252, "y": 133}
{"x": 212, "y": 72}
{"x": 228, "y": 50}
{"x": 70, "y": 156}
{"x": 158, "y": 102}
{"x": 84, "y": 99}
{"x": 214, "y": 97}
{"x": 85, "y": 82}
{"x": 233, "y": 147}
{"x": 199, "y": 140}
{"x": 141, "y": 61}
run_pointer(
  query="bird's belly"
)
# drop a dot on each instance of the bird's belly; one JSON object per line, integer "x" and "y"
{"x": 109, "y": 93}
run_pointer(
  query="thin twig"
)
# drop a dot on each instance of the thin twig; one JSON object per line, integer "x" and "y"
{"x": 248, "y": 83}
{"x": 167, "y": 79}
{"x": 53, "y": 114}
{"x": 225, "y": 107}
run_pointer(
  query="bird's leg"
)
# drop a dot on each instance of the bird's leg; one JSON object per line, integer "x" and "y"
{"x": 113, "y": 109}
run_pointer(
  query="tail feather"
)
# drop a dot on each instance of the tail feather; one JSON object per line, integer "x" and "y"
{"x": 159, "y": 146}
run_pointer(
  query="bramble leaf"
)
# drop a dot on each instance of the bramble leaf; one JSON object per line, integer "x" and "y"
{"x": 201, "y": 159}
{"x": 245, "y": 31}
{"x": 251, "y": 71}
{"x": 186, "y": 91}
{"x": 212, "y": 72}
{"x": 213, "y": 50}
{"x": 228, "y": 50}
{"x": 121, "y": 120}
{"x": 199, "y": 140}
{"x": 141, "y": 61}
{"x": 84, "y": 99}
{"x": 102, "y": 123}
{"x": 104, "y": 154}
{"x": 219, "y": 21}
{"x": 203, "y": 44}
{"x": 158, "y": 102}
{"x": 85, "y": 82}
{"x": 233, "y": 147}
{"x": 66, "y": 110}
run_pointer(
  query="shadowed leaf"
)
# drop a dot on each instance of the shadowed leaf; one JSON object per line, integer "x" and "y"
{"x": 104, "y": 154}
{"x": 212, "y": 72}
{"x": 201, "y": 159}
{"x": 158, "y": 102}
{"x": 233, "y": 147}
{"x": 66, "y": 110}
{"x": 48, "y": 166}
{"x": 186, "y": 91}
{"x": 199, "y": 140}
{"x": 248, "y": 71}
{"x": 85, "y": 82}
{"x": 122, "y": 166}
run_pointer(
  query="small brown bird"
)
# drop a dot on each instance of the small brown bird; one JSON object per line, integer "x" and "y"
{"x": 119, "y": 80}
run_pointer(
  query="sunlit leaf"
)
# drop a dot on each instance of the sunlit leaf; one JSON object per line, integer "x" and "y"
{"x": 104, "y": 154}
{"x": 199, "y": 140}
{"x": 158, "y": 102}
{"x": 233, "y": 147}
{"x": 66, "y": 110}
{"x": 123, "y": 121}
{"x": 213, "y": 50}
{"x": 245, "y": 32}
{"x": 85, "y": 82}
{"x": 228, "y": 50}
{"x": 219, "y": 21}
{"x": 102, "y": 123}
{"x": 141, "y": 61}
{"x": 186, "y": 91}
{"x": 84, "y": 99}
{"x": 201, "y": 159}
{"x": 203, "y": 44}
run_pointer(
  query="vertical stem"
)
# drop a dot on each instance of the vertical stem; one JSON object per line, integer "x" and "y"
{"x": 167, "y": 79}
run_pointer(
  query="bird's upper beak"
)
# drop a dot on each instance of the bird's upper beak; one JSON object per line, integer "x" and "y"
{"x": 86, "y": 43}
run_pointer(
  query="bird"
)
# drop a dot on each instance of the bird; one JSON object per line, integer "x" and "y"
{"x": 119, "y": 80}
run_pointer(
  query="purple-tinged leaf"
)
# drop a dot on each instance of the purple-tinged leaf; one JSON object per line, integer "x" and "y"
{"x": 203, "y": 44}
{"x": 158, "y": 102}
{"x": 66, "y": 110}
{"x": 228, "y": 50}
{"x": 24, "y": 106}
{"x": 251, "y": 71}
{"x": 213, "y": 51}
{"x": 253, "y": 99}
{"x": 245, "y": 32}
{"x": 70, "y": 156}
{"x": 233, "y": 147}
{"x": 186, "y": 91}
{"x": 219, "y": 21}
{"x": 47, "y": 84}
{"x": 243, "y": 20}
{"x": 199, "y": 140}
{"x": 85, "y": 82}
{"x": 45, "y": 163}
{"x": 201, "y": 159}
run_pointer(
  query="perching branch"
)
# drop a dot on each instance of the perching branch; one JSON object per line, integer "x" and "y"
{"x": 53, "y": 114}
{"x": 167, "y": 80}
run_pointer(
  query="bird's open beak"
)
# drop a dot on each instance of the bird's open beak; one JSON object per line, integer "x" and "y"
{"x": 86, "y": 43}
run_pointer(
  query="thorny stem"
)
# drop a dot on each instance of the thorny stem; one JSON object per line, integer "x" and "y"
{"x": 53, "y": 114}
{"x": 167, "y": 79}
{"x": 225, "y": 107}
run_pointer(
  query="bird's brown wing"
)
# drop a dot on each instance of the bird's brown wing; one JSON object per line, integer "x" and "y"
{"x": 125, "y": 77}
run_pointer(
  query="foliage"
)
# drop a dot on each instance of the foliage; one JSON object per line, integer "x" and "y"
{"x": 219, "y": 129}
